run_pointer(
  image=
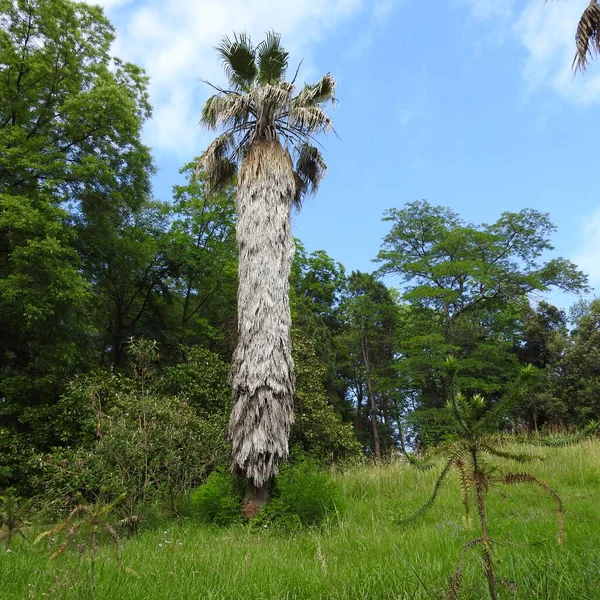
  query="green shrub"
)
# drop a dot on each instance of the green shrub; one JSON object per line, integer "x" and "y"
{"x": 217, "y": 501}
{"x": 318, "y": 427}
{"x": 138, "y": 442}
{"x": 304, "y": 495}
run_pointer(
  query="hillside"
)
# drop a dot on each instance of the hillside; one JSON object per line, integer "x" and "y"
{"x": 363, "y": 555}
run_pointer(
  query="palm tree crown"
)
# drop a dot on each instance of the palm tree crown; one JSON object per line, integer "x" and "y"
{"x": 261, "y": 105}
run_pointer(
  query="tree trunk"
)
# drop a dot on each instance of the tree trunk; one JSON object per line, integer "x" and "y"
{"x": 262, "y": 366}
{"x": 376, "y": 442}
{"x": 255, "y": 498}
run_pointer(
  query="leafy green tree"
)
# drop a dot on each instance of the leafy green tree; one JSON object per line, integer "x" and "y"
{"x": 202, "y": 258}
{"x": 318, "y": 427}
{"x": 71, "y": 117}
{"x": 542, "y": 343}
{"x": 371, "y": 318}
{"x": 467, "y": 288}
{"x": 459, "y": 268}
{"x": 123, "y": 259}
{"x": 263, "y": 117}
{"x": 317, "y": 286}
{"x": 578, "y": 386}
{"x": 141, "y": 439}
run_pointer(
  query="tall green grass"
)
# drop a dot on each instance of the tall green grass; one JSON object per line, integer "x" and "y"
{"x": 361, "y": 554}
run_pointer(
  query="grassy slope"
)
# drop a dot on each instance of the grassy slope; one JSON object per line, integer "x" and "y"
{"x": 364, "y": 556}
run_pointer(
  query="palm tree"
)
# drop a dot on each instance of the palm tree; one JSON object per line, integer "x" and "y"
{"x": 267, "y": 141}
{"x": 587, "y": 37}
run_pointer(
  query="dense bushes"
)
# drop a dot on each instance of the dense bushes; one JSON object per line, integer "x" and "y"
{"x": 303, "y": 495}
{"x": 217, "y": 501}
{"x": 134, "y": 442}
{"x": 318, "y": 428}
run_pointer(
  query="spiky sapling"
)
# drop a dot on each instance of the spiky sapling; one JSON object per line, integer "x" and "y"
{"x": 13, "y": 517}
{"x": 476, "y": 440}
{"x": 84, "y": 528}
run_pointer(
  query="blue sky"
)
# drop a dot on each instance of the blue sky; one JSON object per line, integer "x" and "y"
{"x": 469, "y": 104}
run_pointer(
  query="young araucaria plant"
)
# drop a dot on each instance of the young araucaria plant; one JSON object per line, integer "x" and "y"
{"x": 468, "y": 453}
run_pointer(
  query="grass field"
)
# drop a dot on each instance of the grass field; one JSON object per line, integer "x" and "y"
{"x": 361, "y": 555}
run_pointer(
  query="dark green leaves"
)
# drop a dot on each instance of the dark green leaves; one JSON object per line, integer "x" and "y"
{"x": 272, "y": 59}
{"x": 310, "y": 169}
{"x": 238, "y": 57}
{"x": 461, "y": 267}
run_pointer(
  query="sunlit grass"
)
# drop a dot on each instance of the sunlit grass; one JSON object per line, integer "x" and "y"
{"x": 362, "y": 555}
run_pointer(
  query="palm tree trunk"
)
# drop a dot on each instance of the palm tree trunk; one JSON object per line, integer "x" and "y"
{"x": 262, "y": 367}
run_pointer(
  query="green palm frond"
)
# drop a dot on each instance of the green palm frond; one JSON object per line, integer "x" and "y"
{"x": 261, "y": 106}
{"x": 218, "y": 164}
{"x": 272, "y": 59}
{"x": 239, "y": 59}
{"x": 587, "y": 38}
{"x": 310, "y": 169}
{"x": 317, "y": 94}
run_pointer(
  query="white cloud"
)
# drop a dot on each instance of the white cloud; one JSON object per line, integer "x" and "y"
{"x": 546, "y": 30}
{"x": 587, "y": 256}
{"x": 110, "y": 4}
{"x": 174, "y": 41}
{"x": 487, "y": 9}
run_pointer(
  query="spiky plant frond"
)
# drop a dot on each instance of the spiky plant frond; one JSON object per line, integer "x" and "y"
{"x": 82, "y": 528}
{"x": 467, "y": 454}
{"x": 521, "y": 457}
{"x": 587, "y": 38}
{"x": 261, "y": 105}
{"x": 456, "y": 456}
{"x": 515, "y": 478}
{"x": 13, "y": 517}
{"x": 557, "y": 441}
{"x": 466, "y": 483}
{"x": 456, "y": 578}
